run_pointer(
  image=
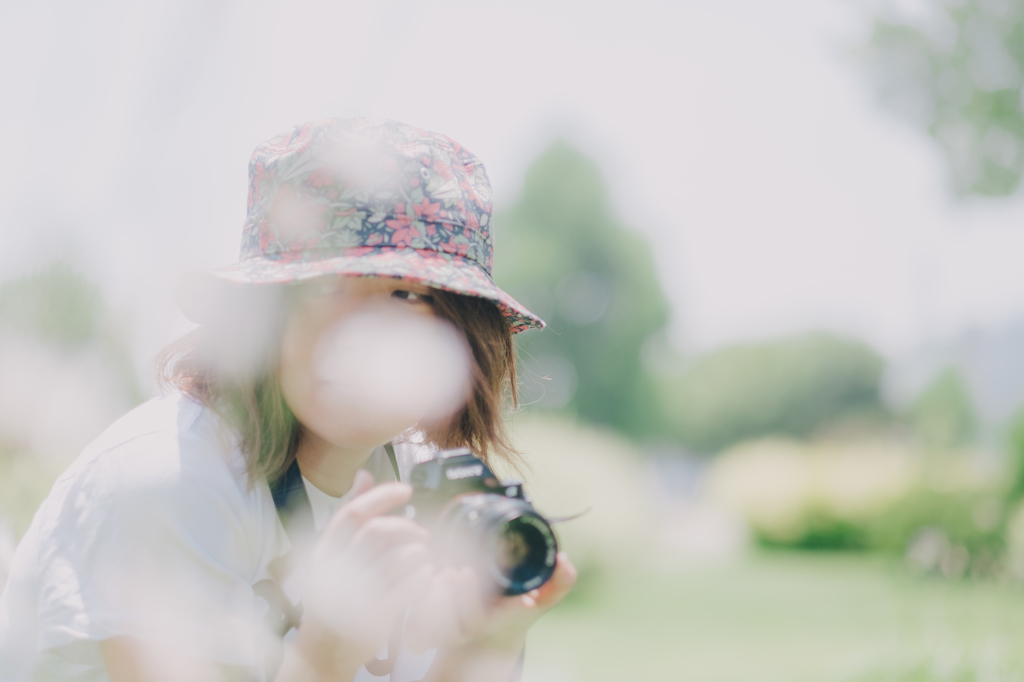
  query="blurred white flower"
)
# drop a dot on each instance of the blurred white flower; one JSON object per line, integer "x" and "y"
{"x": 52, "y": 402}
{"x": 384, "y": 364}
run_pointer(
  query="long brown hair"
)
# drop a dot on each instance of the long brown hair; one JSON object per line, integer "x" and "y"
{"x": 204, "y": 364}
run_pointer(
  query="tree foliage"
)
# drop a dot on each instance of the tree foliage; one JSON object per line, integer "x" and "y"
{"x": 955, "y": 68}
{"x": 59, "y": 307}
{"x": 56, "y": 305}
{"x": 790, "y": 387}
{"x": 943, "y": 415}
{"x": 562, "y": 253}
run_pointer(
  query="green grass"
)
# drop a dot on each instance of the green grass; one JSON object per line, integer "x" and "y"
{"x": 786, "y": 617}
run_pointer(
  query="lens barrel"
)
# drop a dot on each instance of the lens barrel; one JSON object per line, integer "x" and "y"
{"x": 513, "y": 545}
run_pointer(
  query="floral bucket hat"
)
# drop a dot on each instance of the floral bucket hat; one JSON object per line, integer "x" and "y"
{"x": 369, "y": 197}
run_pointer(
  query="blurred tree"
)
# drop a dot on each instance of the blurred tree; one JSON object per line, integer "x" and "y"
{"x": 792, "y": 387}
{"x": 954, "y": 67}
{"x": 564, "y": 256}
{"x": 943, "y": 416}
{"x": 61, "y": 308}
{"x": 56, "y": 305}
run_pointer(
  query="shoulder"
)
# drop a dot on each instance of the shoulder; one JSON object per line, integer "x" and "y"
{"x": 163, "y": 444}
{"x": 153, "y": 529}
{"x": 167, "y": 470}
{"x": 143, "y": 451}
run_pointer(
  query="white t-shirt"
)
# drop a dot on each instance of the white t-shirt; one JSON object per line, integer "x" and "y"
{"x": 154, "y": 532}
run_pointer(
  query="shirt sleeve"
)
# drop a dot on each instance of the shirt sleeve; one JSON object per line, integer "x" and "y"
{"x": 157, "y": 540}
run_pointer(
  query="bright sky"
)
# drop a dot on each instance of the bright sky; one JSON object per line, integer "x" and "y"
{"x": 739, "y": 136}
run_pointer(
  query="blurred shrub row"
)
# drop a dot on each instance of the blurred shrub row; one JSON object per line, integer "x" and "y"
{"x": 792, "y": 387}
{"x": 940, "y": 511}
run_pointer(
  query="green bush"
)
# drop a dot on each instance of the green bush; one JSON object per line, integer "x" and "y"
{"x": 1015, "y": 456}
{"x": 877, "y": 494}
{"x": 790, "y": 387}
{"x": 972, "y": 519}
{"x": 820, "y": 530}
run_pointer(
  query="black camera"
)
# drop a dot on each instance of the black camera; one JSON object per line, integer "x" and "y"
{"x": 480, "y": 521}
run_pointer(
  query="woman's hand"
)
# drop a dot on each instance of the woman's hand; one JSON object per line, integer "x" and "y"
{"x": 484, "y": 637}
{"x": 367, "y": 570}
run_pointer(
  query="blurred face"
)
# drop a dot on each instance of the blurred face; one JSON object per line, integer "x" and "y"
{"x": 364, "y": 359}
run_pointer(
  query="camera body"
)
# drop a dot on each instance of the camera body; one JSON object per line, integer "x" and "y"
{"x": 480, "y": 521}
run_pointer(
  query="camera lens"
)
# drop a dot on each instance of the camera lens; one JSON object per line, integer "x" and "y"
{"x": 512, "y": 544}
{"x": 523, "y": 553}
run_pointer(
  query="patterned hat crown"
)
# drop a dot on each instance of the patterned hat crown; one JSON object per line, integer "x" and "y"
{"x": 371, "y": 197}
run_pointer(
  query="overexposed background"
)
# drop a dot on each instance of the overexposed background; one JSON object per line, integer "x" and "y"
{"x": 763, "y": 528}
{"x": 741, "y": 138}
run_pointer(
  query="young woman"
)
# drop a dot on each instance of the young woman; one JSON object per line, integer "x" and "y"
{"x": 160, "y": 553}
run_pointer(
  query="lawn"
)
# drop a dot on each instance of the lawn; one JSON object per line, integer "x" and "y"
{"x": 786, "y": 617}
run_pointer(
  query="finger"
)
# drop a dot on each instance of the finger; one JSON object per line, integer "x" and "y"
{"x": 377, "y": 501}
{"x": 397, "y": 600}
{"x": 442, "y": 611}
{"x": 526, "y": 608}
{"x": 422, "y": 626}
{"x": 398, "y": 562}
{"x": 416, "y": 625}
{"x": 561, "y": 582}
{"x": 378, "y": 534}
{"x": 469, "y": 602}
{"x": 436, "y": 622}
{"x": 362, "y": 483}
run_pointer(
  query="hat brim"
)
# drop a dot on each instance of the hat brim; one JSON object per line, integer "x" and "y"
{"x": 449, "y": 272}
